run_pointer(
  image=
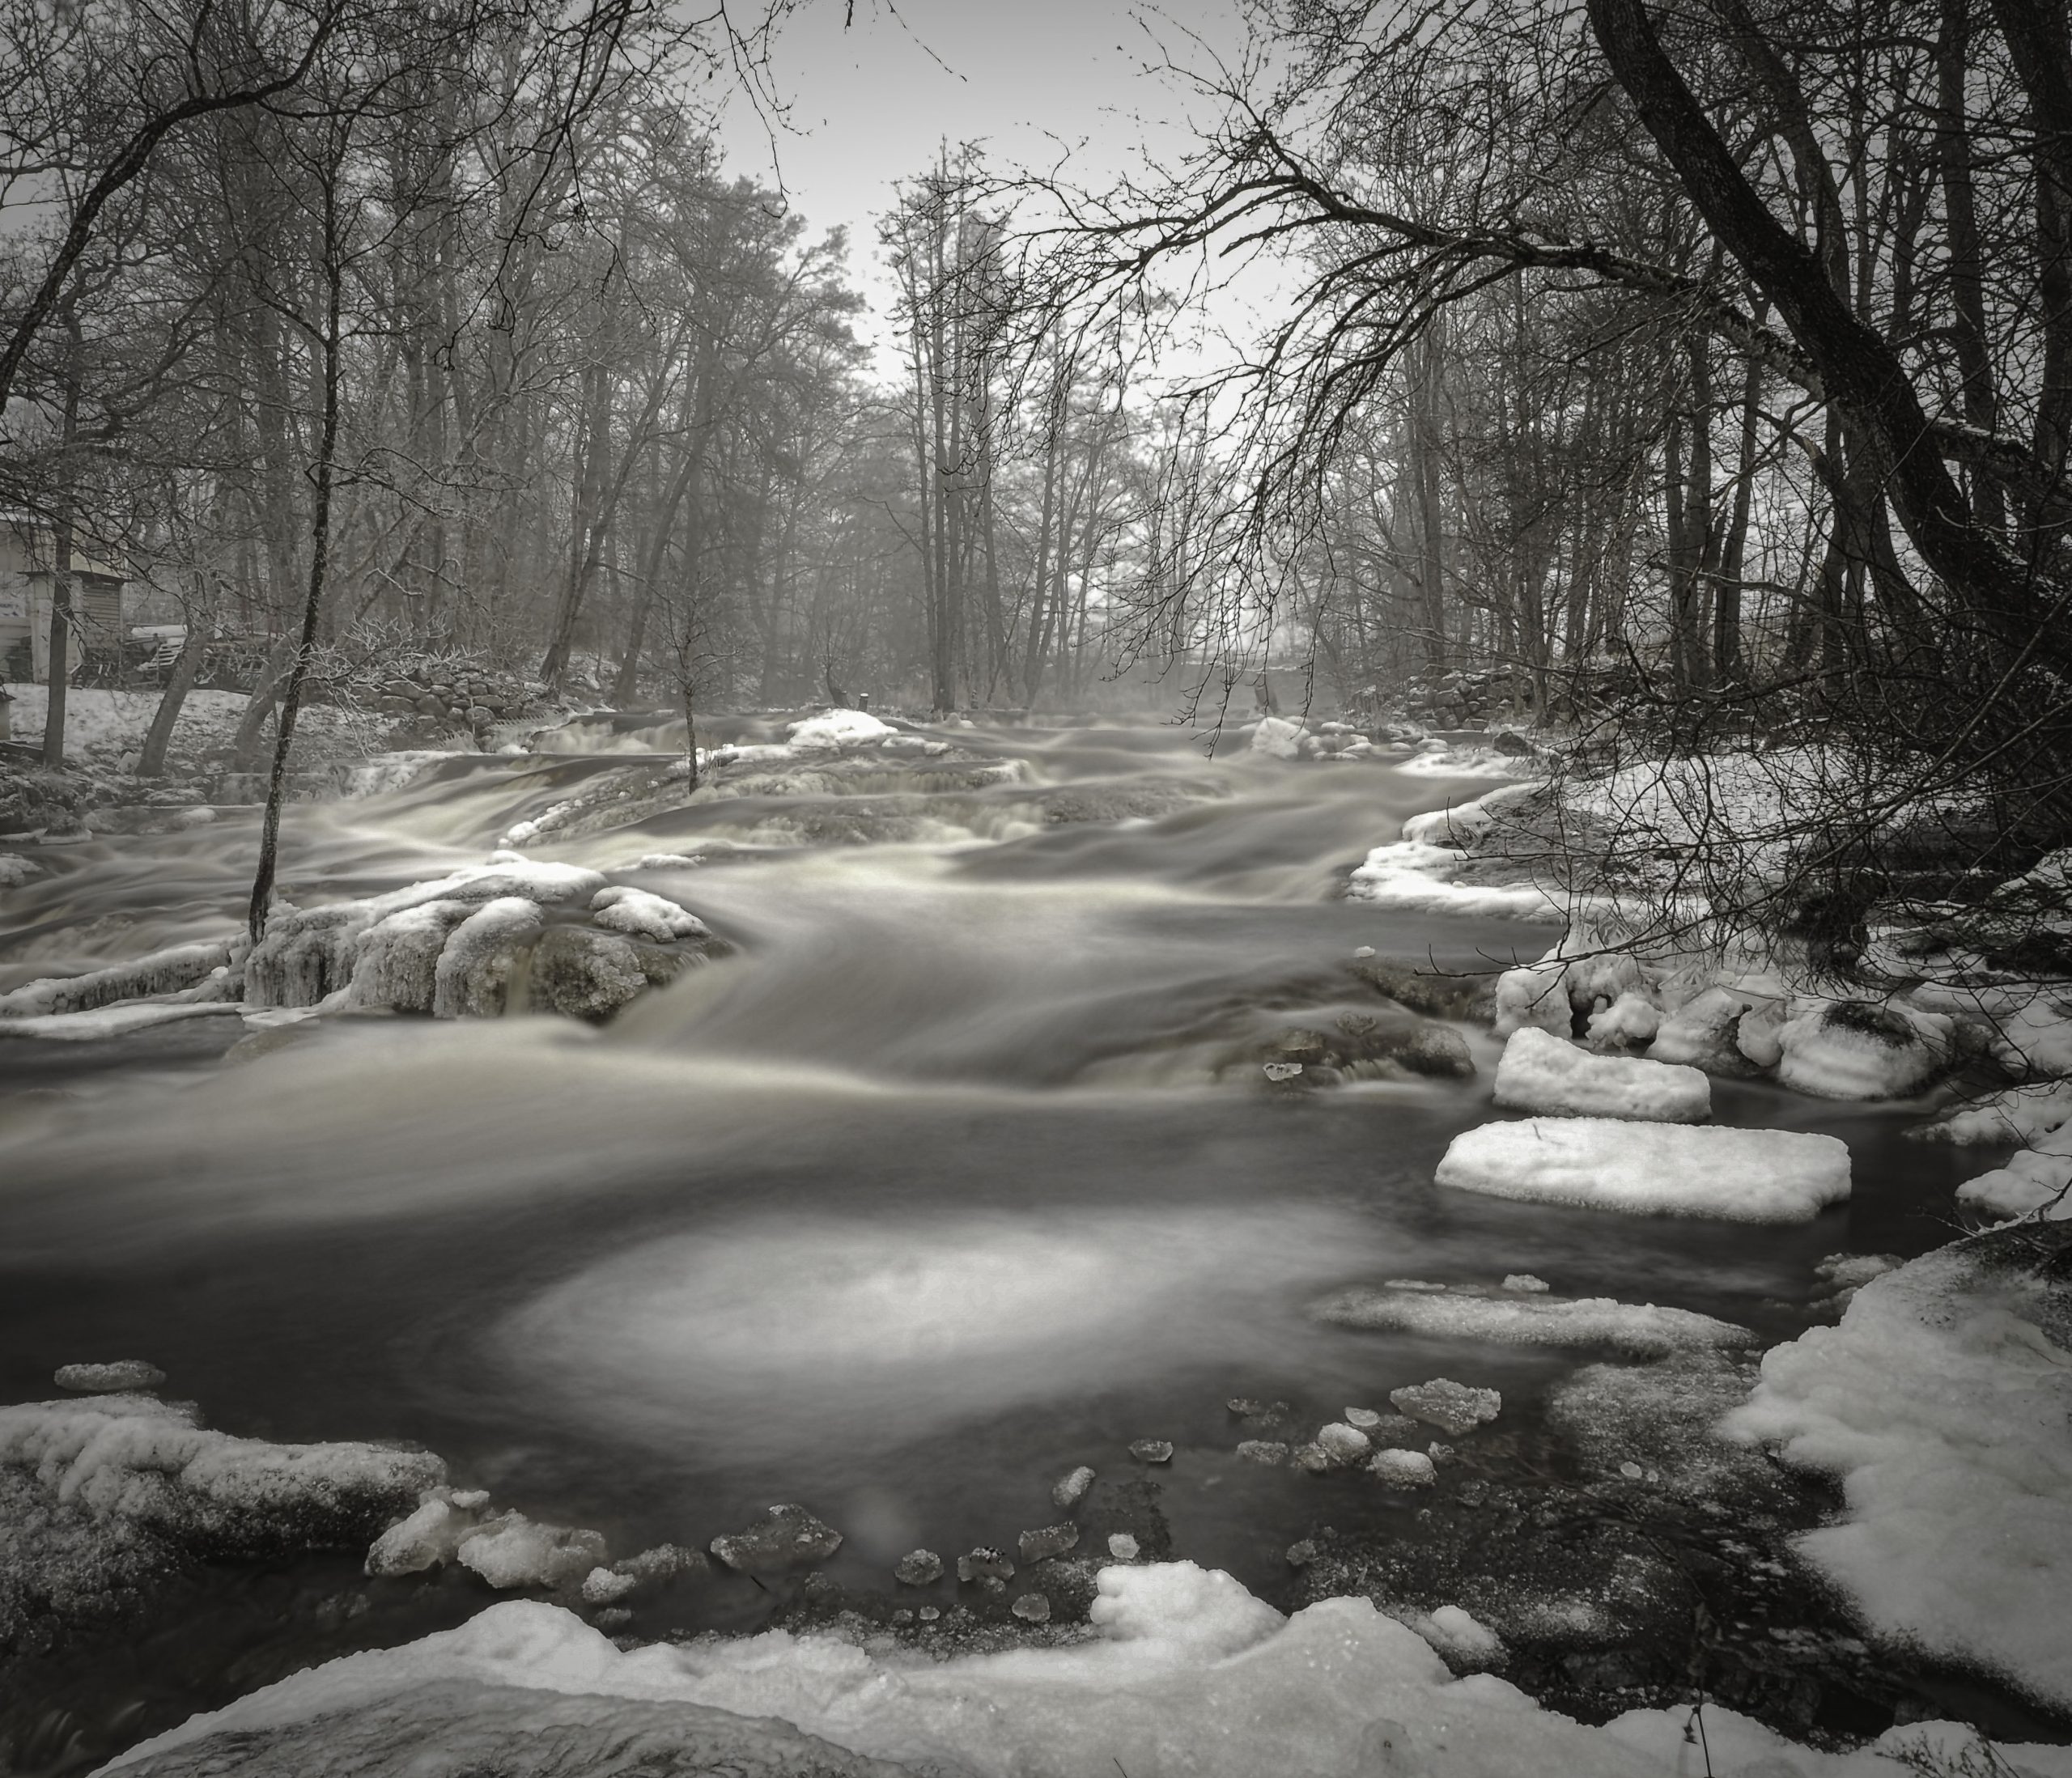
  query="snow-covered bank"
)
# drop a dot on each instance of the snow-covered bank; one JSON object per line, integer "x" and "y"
{"x": 1943, "y": 1403}
{"x": 1189, "y": 1676}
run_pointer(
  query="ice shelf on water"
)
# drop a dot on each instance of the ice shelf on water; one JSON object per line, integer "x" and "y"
{"x": 1190, "y": 1675}
{"x": 1652, "y": 1170}
{"x": 1511, "y": 1319}
{"x": 1943, "y": 1403}
{"x": 1540, "y": 1072}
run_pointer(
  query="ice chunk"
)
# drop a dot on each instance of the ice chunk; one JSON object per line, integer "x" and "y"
{"x": 1542, "y": 1072}
{"x": 836, "y": 729}
{"x": 792, "y": 1538}
{"x": 16, "y": 870}
{"x": 1524, "y": 1281}
{"x": 1402, "y": 1469}
{"x": 1343, "y": 1444}
{"x": 1050, "y": 1540}
{"x": 1946, "y": 1410}
{"x": 604, "y": 1586}
{"x": 1534, "y": 1320}
{"x": 1860, "y": 1049}
{"x": 637, "y": 911}
{"x": 430, "y": 1536}
{"x": 512, "y": 1551}
{"x": 1071, "y": 1489}
{"x": 918, "y": 1568}
{"x": 1658, "y": 1169}
{"x": 1454, "y": 1408}
{"x": 1724, "y": 1030}
{"x": 1460, "y": 1637}
{"x": 121, "y": 1376}
{"x": 1533, "y": 995}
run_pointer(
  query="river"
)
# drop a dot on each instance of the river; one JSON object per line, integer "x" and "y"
{"x": 931, "y": 1193}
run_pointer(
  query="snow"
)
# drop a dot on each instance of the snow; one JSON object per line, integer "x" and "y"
{"x": 835, "y": 728}
{"x": 1539, "y": 1072}
{"x": 1189, "y": 1673}
{"x": 1531, "y": 1319}
{"x": 2017, "y": 1113}
{"x": 2036, "y": 1179}
{"x": 1417, "y": 878}
{"x": 1652, "y": 1169}
{"x": 1454, "y": 1633}
{"x": 132, "y": 1457}
{"x": 1724, "y": 1030}
{"x": 1945, "y": 1409}
{"x": 644, "y": 915}
{"x": 1861, "y": 1050}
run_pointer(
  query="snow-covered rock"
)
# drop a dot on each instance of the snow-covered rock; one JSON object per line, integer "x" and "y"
{"x": 1415, "y": 877}
{"x": 1943, "y": 1403}
{"x": 1641, "y": 1329}
{"x": 16, "y": 870}
{"x": 1861, "y": 1049}
{"x": 1277, "y": 738}
{"x": 1542, "y": 1072}
{"x": 1631, "y": 1022}
{"x": 472, "y": 978}
{"x": 134, "y": 1458}
{"x": 1652, "y": 1170}
{"x": 1343, "y": 1444}
{"x": 428, "y": 1538}
{"x": 1462, "y": 1640}
{"x": 168, "y": 971}
{"x": 1725, "y": 1030}
{"x": 644, "y": 915}
{"x": 837, "y": 729}
{"x": 1189, "y": 1673}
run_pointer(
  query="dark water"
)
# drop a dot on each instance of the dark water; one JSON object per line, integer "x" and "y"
{"x": 928, "y": 1196}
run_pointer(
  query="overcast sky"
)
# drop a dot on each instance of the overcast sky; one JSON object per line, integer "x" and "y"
{"x": 870, "y": 104}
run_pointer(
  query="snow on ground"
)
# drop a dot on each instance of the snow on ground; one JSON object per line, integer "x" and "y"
{"x": 100, "y": 721}
{"x": 1533, "y": 1318}
{"x": 1416, "y": 878}
{"x": 1943, "y": 1403}
{"x": 1652, "y": 1170}
{"x": 1190, "y": 1675}
{"x": 2038, "y": 1179}
{"x": 1539, "y": 1072}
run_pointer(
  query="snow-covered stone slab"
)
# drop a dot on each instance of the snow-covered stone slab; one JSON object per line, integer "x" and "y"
{"x": 1652, "y": 1170}
{"x": 1641, "y": 1329}
{"x": 112, "y": 1021}
{"x": 1943, "y": 1403}
{"x": 1859, "y": 1050}
{"x": 1542, "y": 1072}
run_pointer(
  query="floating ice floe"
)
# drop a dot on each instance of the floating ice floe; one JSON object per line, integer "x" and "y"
{"x": 1652, "y": 1169}
{"x": 1641, "y": 1329}
{"x": 1542, "y": 1072}
{"x": 1943, "y": 1403}
{"x": 1189, "y": 1673}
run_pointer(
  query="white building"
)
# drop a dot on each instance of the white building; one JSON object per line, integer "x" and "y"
{"x": 28, "y": 551}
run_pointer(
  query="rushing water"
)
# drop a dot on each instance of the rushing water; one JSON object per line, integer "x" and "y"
{"x": 927, "y": 1196}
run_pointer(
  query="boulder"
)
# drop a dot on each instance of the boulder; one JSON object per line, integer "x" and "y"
{"x": 584, "y": 974}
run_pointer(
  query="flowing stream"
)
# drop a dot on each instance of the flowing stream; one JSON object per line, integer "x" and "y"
{"x": 931, "y": 1193}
